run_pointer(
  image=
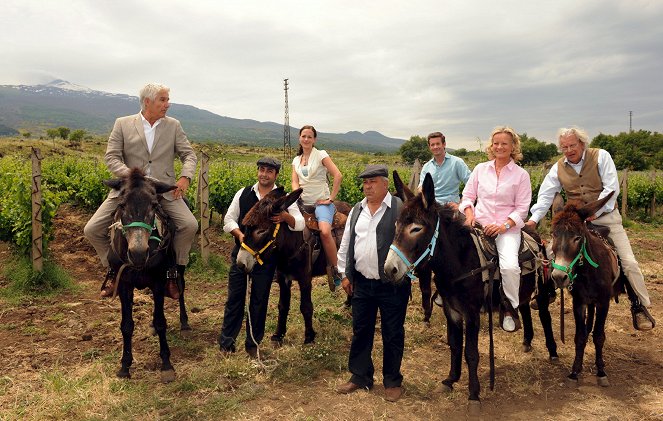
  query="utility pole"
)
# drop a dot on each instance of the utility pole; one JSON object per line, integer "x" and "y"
{"x": 287, "y": 149}
{"x": 630, "y": 121}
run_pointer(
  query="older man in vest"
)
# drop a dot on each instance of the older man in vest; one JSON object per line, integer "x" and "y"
{"x": 588, "y": 174}
{"x": 364, "y": 247}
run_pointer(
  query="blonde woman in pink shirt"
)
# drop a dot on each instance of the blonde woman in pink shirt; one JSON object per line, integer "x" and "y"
{"x": 498, "y": 195}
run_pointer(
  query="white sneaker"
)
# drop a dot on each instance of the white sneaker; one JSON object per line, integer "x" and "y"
{"x": 508, "y": 324}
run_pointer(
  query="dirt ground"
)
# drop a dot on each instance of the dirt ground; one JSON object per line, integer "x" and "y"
{"x": 528, "y": 386}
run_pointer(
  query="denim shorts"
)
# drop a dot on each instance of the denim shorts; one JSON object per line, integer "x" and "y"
{"x": 325, "y": 213}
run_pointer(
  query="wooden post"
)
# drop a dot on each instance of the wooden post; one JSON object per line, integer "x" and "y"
{"x": 414, "y": 178}
{"x": 37, "y": 232}
{"x": 653, "y": 197}
{"x": 624, "y": 193}
{"x": 203, "y": 199}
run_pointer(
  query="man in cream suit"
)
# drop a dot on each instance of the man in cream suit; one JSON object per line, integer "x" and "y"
{"x": 151, "y": 141}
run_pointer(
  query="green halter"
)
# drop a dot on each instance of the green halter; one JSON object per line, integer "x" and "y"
{"x": 150, "y": 228}
{"x": 578, "y": 259}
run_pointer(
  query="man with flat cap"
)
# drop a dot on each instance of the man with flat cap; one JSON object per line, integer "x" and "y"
{"x": 366, "y": 240}
{"x": 262, "y": 275}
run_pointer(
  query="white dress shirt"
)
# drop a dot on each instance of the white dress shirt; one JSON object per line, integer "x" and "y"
{"x": 552, "y": 185}
{"x": 230, "y": 220}
{"x": 366, "y": 248}
{"x": 149, "y": 131}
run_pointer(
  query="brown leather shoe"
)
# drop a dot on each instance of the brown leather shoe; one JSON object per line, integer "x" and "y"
{"x": 347, "y": 388}
{"x": 172, "y": 290}
{"x": 642, "y": 320}
{"x": 392, "y": 394}
{"x": 108, "y": 286}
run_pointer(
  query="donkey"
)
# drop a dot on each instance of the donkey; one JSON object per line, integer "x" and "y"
{"x": 428, "y": 231}
{"x": 141, "y": 256}
{"x": 294, "y": 257}
{"x": 588, "y": 266}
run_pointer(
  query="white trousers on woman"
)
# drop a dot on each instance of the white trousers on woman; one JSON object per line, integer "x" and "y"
{"x": 508, "y": 245}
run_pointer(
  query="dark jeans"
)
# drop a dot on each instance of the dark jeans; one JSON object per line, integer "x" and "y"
{"x": 369, "y": 296}
{"x": 234, "y": 310}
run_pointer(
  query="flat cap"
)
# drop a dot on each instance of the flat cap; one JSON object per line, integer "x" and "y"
{"x": 268, "y": 161}
{"x": 374, "y": 170}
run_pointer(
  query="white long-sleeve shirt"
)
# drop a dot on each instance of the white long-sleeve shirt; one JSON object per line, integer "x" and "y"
{"x": 230, "y": 220}
{"x": 366, "y": 248}
{"x": 552, "y": 185}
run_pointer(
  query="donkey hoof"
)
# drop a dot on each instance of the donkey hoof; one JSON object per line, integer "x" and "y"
{"x": 185, "y": 327}
{"x": 445, "y": 388}
{"x": 123, "y": 373}
{"x": 527, "y": 347}
{"x": 571, "y": 383}
{"x": 427, "y": 324}
{"x": 167, "y": 376}
{"x": 603, "y": 381}
{"x": 277, "y": 343}
{"x": 554, "y": 358}
{"x": 474, "y": 408}
{"x": 153, "y": 331}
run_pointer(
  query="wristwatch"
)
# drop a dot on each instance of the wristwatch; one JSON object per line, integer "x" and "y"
{"x": 507, "y": 225}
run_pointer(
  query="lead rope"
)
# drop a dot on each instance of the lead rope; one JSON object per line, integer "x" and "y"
{"x": 262, "y": 365}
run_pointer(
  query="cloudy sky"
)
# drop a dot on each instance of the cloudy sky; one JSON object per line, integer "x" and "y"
{"x": 399, "y": 67}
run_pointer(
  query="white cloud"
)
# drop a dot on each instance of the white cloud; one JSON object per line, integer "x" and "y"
{"x": 401, "y": 68}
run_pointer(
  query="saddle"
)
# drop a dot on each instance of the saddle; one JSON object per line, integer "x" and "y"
{"x": 603, "y": 232}
{"x": 527, "y": 255}
{"x": 312, "y": 230}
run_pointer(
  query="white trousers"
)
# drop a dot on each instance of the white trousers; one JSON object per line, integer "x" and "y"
{"x": 508, "y": 245}
{"x": 630, "y": 266}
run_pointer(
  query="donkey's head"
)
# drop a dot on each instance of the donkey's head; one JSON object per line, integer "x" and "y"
{"x": 260, "y": 233}
{"x": 415, "y": 228}
{"x": 569, "y": 237}
{"x": 136, "y": 212}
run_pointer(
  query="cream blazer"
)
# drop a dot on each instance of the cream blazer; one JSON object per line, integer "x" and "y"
{"x": 127, "y": 148}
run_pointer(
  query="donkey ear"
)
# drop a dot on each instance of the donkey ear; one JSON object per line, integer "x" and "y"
{"x": 163, "y": 187}
{"x": 428, "y": 191}
{"x": 402, "y": 191}
{"x": 115, "y": 183}
{"x": 558, "y": 203}
{"x": 591, "y": 208}
{"x": 291, "y": 198}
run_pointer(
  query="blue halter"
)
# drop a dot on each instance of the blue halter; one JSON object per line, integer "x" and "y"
{"x": 429, "y": 251}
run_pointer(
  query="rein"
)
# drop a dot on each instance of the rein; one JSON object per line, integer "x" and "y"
{"x": 579, "y": 259}
{"x": 256, "y": 254}
{"x": 428, "y": 252}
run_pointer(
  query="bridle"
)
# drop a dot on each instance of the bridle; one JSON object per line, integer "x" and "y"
{"x": 579, "y": 259}
{"x": 256, "y": 254}
{"x": 428, "y": 252}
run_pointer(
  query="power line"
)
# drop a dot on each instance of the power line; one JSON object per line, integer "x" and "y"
{"x": 287, "y": 149}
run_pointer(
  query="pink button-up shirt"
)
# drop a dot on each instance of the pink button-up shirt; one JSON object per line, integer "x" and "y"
{"x": 497, "y": 199}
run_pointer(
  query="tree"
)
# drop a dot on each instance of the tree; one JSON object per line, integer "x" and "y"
{"x": 637, "y": 150}
{"x": 416, "y": 147}
{"x": 535, "y": 151}
{"x": 77, "y": 135}
{"x": 63, "y": 132}
{"x": 52, "y": 133}
{"x": 27, "y": 135}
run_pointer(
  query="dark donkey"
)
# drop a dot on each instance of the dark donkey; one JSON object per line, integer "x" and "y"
{"x": 141, "y": 259}
{"x": 294, "y": 257}
{"x": 586, "y": 265}
{"x": 428, "y": 231}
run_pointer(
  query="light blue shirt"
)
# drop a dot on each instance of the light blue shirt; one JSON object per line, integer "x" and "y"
{"x": 446, "y": 177}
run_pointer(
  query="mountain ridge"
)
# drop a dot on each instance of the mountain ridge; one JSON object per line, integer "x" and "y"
{"x": 36, "y": 108}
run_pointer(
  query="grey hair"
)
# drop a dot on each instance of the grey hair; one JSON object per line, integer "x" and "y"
{"x": 576, "y": 131}
{"x": 151, "y": 90}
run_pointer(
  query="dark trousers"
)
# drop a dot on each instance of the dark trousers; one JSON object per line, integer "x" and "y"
{"x": 369, "y": 296}
{"x": 233, "y": 314}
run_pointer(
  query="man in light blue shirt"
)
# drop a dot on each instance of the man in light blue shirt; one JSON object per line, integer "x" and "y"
{"x": 447, "y": 171}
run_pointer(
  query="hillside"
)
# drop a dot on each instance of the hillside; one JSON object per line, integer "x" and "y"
{"x": 36, "y": 108}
